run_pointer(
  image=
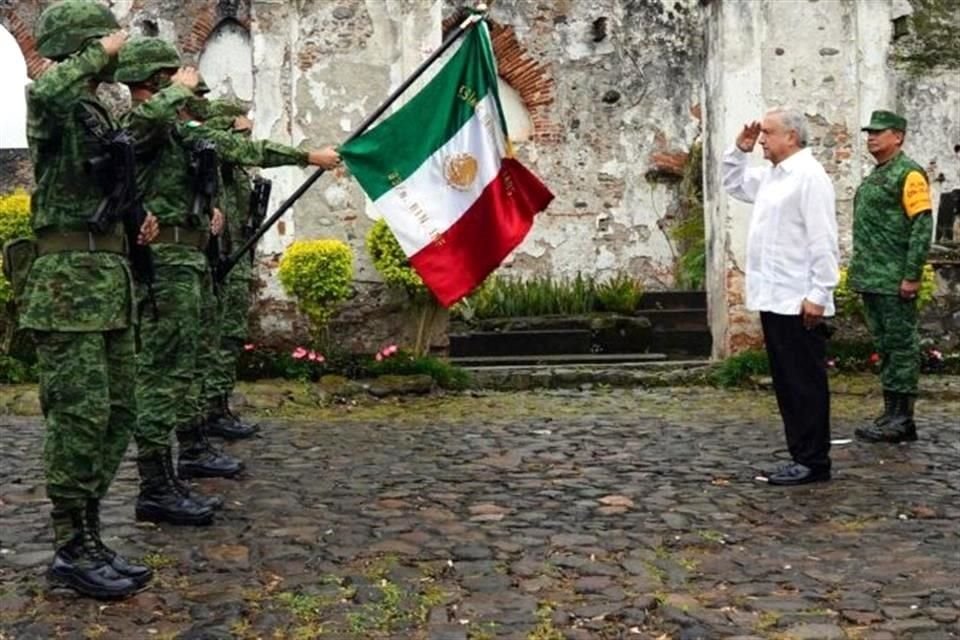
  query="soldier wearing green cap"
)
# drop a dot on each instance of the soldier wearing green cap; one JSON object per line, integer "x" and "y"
{"x": 892, "y": 230}
{"x": 219, "y": 360}
{"x": 78, "y": 296}
{"x": 169, "y": 137}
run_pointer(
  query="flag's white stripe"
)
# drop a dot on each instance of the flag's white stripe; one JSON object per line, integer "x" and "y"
{"x": 424, "y": 205}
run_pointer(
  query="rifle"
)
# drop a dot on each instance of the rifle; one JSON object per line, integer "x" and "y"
{"x": 203, "y": 168}
{"x": 117, "y": 165}
{"x": 257, "y": 210}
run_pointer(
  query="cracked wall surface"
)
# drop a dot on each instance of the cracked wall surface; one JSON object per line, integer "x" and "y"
{"x": 610, "y": 95}
{"x": 759, "y": 55}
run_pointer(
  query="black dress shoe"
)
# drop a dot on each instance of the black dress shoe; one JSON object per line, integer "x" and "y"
{"x": 796, "y": 473}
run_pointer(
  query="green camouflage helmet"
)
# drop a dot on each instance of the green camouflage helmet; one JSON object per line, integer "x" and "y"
{"x": 140, "y": 58}
{"x": 65, "y": 27}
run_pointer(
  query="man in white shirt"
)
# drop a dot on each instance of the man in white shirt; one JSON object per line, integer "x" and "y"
{"x": 792, "y": 269}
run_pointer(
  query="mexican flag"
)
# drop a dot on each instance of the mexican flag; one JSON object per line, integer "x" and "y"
{"x": 441, "y": 172}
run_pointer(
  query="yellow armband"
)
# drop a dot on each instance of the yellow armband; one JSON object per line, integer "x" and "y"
{"x": 916, "y": 194}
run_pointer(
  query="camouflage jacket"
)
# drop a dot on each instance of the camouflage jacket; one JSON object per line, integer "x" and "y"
{"x": 164, "y": 144}
{"x": 70, "y": 290}
{"x": 892, "y": 227}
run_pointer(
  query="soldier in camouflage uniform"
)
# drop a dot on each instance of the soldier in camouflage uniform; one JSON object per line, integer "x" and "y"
{"x": 167, "y": 390}
{"x": 892, "y": 228}
{"x": 78, "y": 298}
{"x": 219, "y": 364}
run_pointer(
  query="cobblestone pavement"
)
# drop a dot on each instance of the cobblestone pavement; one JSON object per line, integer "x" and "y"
{"x": 540, "y": 516}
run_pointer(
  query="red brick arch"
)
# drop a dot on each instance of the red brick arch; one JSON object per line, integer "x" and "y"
{"x": 522, "y": 71}
{"x": 23, "y": 34}
{"x": 206, "y": 22}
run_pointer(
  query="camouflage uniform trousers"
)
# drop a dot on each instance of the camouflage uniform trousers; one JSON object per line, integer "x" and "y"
{"x": 208, "y": 352}
{"x": 893, "y": 323}
{"x": 167, "y": 363}
{"x": 220, "y": 364}
{"x": 87, "y": 395}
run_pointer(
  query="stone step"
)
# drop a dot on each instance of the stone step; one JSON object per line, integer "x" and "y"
{"x": 675, "y": 299}
{"x": 697, "y": 342}
{"x": 510, "y": 361}
{"x": 689, "y": 319}
{"x": 520, "y": 343}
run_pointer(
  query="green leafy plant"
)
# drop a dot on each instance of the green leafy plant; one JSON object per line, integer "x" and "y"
{"x": 394, "y": 267}
{"x": 620, "y": 294}
{"x": 505, "y": 297}
{"x": 318, "y": 274}
{"x": 690, "y": 230}
{"x": 736, "y": 369}
{"x": 15, "y": 216}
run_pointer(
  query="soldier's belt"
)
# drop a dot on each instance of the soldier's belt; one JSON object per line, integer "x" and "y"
{"x": 59, "y": 241}
{"x": 179, "y": 235}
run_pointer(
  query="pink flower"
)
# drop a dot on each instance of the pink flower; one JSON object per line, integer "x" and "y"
{"x": 379, "y": 357}
{"x": 935, "y": 354}
{"x": 389, "y": 351}
{"x": 831, "y": 363}
{"x": 249, "y": 347}
{"x": 299, "y": 353}
{"x": 313, "y": 356}
{"x": 874, "y": 358}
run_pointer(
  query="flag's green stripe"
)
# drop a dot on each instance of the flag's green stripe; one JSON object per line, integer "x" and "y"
{"x": 393, "y": 150}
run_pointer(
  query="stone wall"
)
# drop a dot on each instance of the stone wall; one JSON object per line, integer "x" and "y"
{"x": 759, "y": 56}
{"x": 606, "y": 97}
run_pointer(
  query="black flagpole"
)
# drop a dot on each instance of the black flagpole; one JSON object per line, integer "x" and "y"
{"x": 225, "y": 266}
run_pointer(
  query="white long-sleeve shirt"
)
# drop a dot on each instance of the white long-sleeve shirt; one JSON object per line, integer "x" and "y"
{"x": 792, "y": 250}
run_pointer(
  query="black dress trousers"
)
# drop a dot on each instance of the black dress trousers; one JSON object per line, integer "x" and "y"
{"x": 798, "y": 364}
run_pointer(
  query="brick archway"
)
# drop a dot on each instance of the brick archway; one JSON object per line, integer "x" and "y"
{"x": 522, "y": 71}
{"x": 209, "y": 19}
{"x": 23, "y": 34}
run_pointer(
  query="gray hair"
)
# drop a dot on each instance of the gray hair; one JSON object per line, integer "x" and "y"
{"x": 794, "y": 121}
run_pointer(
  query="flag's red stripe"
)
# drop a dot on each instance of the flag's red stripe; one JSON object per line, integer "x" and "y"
{"x": 485, "y": 234}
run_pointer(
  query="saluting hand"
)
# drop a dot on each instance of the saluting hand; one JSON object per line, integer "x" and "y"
{"x": 186, "y": 76}
{"x": 114, "y": 42}
{"x": 216, "y": 222}
{"x": 326, "y": 158}
{"x": 747, "y": 139}
{"x": 149, "y": 230}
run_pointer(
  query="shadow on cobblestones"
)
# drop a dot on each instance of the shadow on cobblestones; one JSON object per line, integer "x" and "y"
{"x": 540, "y": 516}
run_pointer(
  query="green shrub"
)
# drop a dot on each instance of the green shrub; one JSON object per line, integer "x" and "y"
{"x": 690, "y": 230}
{"x": 446, "y": 375}
{"x": 14, "y": 216}
{"x": 737, "y": 369}
{"x": 394, "y": 267}
{"x": 505, "y": 297}
{"x": 318, "y": 274}
{"x": 16, "y": 371}
{"x": 260, "y": 363}
{"x": 620, "y": 294}
{"x": 392, "y": 263}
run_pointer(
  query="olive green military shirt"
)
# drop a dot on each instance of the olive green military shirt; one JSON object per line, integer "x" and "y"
{"x": 71, "y": 290}
{"x": 164, "y": 143}
{"x": 892, "y": 227}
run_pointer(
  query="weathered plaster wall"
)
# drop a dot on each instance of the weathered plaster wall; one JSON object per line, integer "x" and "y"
{"x": 626, "y": 86}
{"x": 834, "y": 61}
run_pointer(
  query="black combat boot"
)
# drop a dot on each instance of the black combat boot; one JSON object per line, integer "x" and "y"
{"x": 140, "y": 574}
{"x": 889, "y": 409}
{"x": 200, "y": 459}
{"x": 78, "y": 562}
{"x": 899, "y": 428}
{"x": 213, "y": 501}
{"x": 159, "y": 499}
{"x": 223, "y": 423}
